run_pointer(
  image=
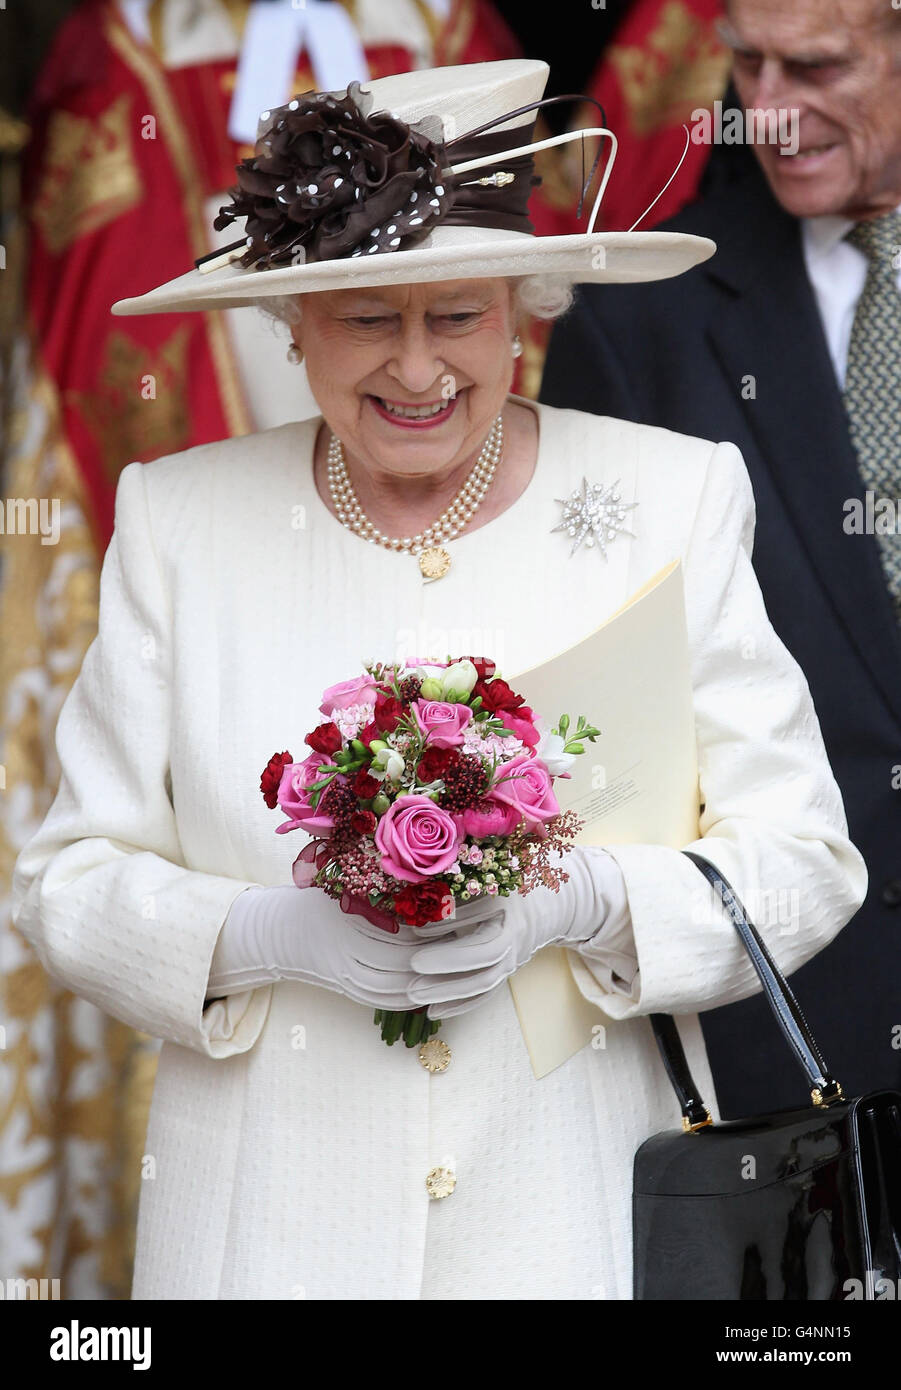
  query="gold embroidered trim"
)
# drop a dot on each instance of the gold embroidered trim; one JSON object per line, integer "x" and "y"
{"x": 89, "y": 174}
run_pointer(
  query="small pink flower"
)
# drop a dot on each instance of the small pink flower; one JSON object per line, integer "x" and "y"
{"x": 416, "y": 839}
{"x": 441, "y": 722}
{"x": 524, "y": 783}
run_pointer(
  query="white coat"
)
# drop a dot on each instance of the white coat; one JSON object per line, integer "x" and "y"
{"x": 290, "y": 1146}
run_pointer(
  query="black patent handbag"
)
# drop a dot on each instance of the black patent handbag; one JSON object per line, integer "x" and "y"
{"x": 796, "y": 1205}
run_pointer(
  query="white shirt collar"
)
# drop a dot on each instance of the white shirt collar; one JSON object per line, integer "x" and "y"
{"x": 822, "y": 234}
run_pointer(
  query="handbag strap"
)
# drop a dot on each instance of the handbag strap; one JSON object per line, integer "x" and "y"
{"x": 823, "y": 1087}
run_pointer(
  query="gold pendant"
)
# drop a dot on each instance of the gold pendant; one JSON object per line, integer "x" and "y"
{"x": 434, "y": 561}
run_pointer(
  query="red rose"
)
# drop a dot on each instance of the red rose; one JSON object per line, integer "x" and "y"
{"x": 424, "y": 902}
{"x": 272, "y": 776}
{"x": 364, "y": 786}
{"x": 484, "y": 666}
{"x": 497, "y": 695}
{"x": 435, "y": 762}
{"x": 363, "y": 822}
{"x": 388, "y": 713}
{"x": 325, "y": 738}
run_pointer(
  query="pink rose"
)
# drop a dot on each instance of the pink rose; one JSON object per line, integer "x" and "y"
{"x": 416, "y": 839}
{"x": 488, "y": 817}
{"x": 519, "y": 722}
{"x": 525, "y": 783}
{"x": 361, "y": 690}
{"x": 442, "y": 723}
{"x": 294, "y": 796}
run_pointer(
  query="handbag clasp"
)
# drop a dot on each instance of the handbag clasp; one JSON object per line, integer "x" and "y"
{"x": 827, "y": 1093}
{"x": 690, "y": 1128}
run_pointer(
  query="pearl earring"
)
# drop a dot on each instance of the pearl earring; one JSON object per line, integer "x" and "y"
{"x": 517, "y": 346}
{"x": 294, "y": 354}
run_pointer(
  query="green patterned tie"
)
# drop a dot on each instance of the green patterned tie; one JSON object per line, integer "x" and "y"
{"x": 872, "y": 391}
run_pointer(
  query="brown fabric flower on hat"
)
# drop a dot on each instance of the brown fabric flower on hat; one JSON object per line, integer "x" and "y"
{"x": 330, "y": 180}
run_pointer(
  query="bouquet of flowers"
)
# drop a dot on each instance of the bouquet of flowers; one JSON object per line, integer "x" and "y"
{"x": 429, "y": 786}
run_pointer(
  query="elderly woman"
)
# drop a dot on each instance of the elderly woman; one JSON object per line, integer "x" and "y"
{"x": 289, "y": 1152}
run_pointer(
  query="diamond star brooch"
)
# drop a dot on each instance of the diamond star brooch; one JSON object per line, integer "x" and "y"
{"x": 596, "y": 516}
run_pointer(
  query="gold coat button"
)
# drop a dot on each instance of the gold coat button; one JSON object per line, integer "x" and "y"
{"x": 440, "y": 1182}
{"x": 434, "y": 1054}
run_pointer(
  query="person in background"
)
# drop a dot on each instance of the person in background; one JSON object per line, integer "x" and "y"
{"x": 787, "y": 343}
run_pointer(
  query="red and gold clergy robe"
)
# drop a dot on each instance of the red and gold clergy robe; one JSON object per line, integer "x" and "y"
{"x": 664, "y": 62}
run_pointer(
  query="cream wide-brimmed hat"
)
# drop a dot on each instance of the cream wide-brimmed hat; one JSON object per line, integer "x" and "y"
{"x": 415, "y": 178}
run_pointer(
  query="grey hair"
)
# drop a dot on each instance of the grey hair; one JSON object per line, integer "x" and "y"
{"x": 543, "y": 296}
{"x": 539, "y": 296}
{"x": 282, "y": 308}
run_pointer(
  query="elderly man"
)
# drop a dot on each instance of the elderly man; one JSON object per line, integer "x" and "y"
{"x": 788, "y": 342}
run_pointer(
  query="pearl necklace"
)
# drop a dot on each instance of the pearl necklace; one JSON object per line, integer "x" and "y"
{"x": 434, "y": 561}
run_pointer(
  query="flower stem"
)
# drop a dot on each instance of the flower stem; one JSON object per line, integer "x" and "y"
{"x": 414, "y": 1026}
{"x": 412, "y": 1030}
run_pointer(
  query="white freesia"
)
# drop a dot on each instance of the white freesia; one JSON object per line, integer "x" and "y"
{"x": 549, "y": 749}
{"x": 390, "y": 762}
{"x": 460, "y": 677}
{"x": 394, "y": 766}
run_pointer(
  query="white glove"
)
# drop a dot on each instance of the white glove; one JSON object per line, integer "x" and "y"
{"x": 290, "y": 933}
{"x": 461, "y": 971}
